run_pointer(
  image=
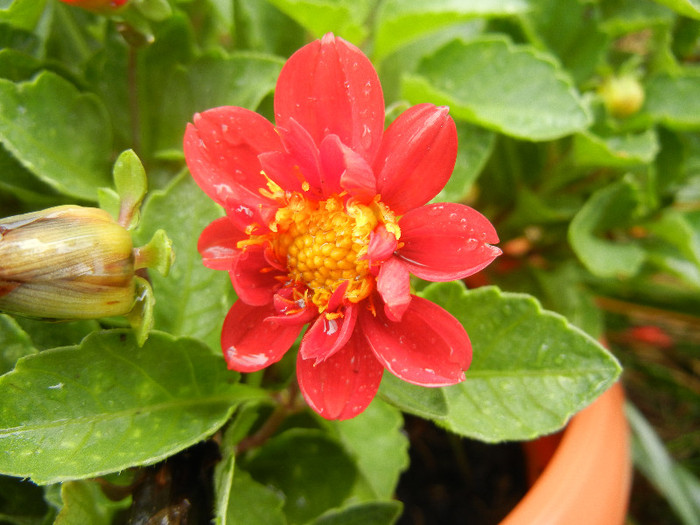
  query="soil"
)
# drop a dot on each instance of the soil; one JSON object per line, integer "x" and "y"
{"x": 455, "y": 480}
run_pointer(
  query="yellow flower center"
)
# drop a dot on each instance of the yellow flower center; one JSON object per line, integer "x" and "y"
{"x": 324, "y": 244}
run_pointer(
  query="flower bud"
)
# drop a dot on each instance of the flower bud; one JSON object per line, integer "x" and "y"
{"x": 623, "y": 96}
{"x": 67, "y": 262}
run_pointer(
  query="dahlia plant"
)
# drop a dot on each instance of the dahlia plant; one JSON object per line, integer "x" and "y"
{"x": 363, "y": 214}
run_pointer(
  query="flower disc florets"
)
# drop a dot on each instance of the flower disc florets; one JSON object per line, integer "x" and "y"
{"x": 326, "y": 218}
{"x": 324, "y": 245}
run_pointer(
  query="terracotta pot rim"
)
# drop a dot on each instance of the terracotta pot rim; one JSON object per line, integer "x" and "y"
{"x": 587, "y": 481}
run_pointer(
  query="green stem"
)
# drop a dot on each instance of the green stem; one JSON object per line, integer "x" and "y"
{"x": 134, "y": 113}
{"x": 288, "y": 405}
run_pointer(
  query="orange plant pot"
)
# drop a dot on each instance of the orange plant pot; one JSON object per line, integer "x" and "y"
{"x": 587, "y": 480}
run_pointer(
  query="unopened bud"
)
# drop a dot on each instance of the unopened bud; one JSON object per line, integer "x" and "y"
{"x": 623, "y": 96}
{"x": 67, "y": 262}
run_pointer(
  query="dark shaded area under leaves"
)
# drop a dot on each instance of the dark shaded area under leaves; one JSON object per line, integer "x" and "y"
{"x": 178, "y": 491}
{"x": 455, "y": 480}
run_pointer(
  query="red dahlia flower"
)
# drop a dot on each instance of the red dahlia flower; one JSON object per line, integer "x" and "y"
{"x": 326, "y": 217}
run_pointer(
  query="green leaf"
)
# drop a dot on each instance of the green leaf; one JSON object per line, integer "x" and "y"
{"x": 679, "y": 251}
{"x": 24, "y": 185}
{"x": 239, "y": 499}
{"x": 159, "y": 117}
{"x": 681, "y": 229}
{"x": 534, "y": 208}
{"x": 531, "y": 369}
{"x": 689, "y": 8}
{"x": 570, "y": 30}
{"x": 253, "y": 503}
{"x": 650, "y": 456}
{"x": 668, "y": 259}
{"x": 156, "y": 10}
{"x": 563, "y": 290}
{"x": 345, "y": 18}
{"x": 515, "y": 90}
{"x": 380, "y": 447}
{"x": 429, "y": 403}
{"x": 310, "y": 468}
{"x": 375, "y": 513}
{"x": 107, "y": 74}
{"x": 618, "y": 151}
{"x": 17, "y": 66}
{"x": 20, "y": 40}
{"x": 84, "y": 502}
{"x": 192, "y": 300}
{"x": 239, "y": 79}
{"x": 14, "y": 343}
{"x": 475, "y": 147}
{"x": 57, "y": 133}
{"x": 607, "y": 209}
{"x": 213, "y": 80}
{"x": 264, "y": 28}
{"x": 627, "y": 16}
{"x": 22, "y": 13}
{"x": 395, "y": 66}
{"x": 670, "y": 164}
{"x": 223, "y": 485}
{"x": 399, "y": 22}
{"x": 51, "y": 335}
{"x": 675, "y": 100}
{"x": 106, "y": 405}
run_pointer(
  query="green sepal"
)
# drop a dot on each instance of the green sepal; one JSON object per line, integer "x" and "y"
{"x": 141, "y": 315}
{"x": 131, "y": 185}
{"x": 157, "y": 254}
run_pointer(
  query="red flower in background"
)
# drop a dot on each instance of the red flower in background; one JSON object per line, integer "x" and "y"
{"x": 326, "y": 217}
{"x": 99, "y": 6}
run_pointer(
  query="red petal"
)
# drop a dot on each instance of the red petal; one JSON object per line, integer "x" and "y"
{"x": 326, "y": 336}
{"x": 416, "y": 158}
{"x": 304, "y": 154}
{"x": 292, "y": 311}
{"x": 446, "y": 241}
{"x": 337, "y": 297}
{"x": 382, "y": 244}
{"x": 217, "y": 244}
{"x": 253, "y": 278}
{"x": 222, "y": 148}
{"x": 282, "y": 169}
{"x": 347, "y": 170}
{"x": 343, "y": 385}
{"x": 251, "y": 342}
{"x": 428, "y": 347}
{"x": 393, "y": 284}
{"x": 330, "y": 87}
{"x": 252, "y": 219}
